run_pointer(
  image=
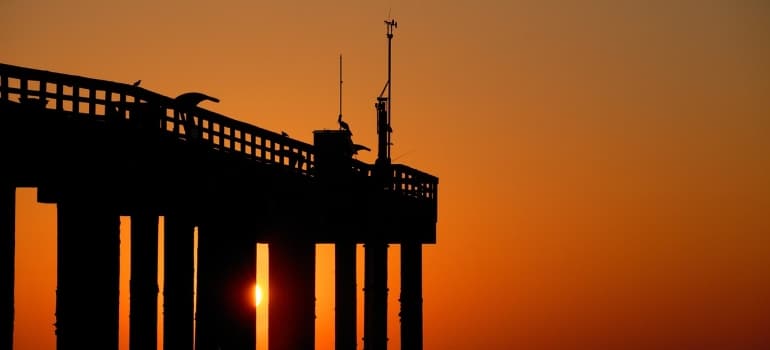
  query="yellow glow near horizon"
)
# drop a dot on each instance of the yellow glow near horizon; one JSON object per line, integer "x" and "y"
{"x": 257, "y": 294}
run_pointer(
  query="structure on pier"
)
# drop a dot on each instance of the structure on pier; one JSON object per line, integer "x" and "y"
{"x": 100, "y": 149}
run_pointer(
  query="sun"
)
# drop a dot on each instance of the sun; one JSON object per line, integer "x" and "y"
{"x": 257, "y": 294}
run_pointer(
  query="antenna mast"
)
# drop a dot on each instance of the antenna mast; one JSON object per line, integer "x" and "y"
{"x": 340, "y": 86}
{"x": 384, "y": 112}
{"x": 390, "y": 25}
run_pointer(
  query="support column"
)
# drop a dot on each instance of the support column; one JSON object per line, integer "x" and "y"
{"x": 411, "y": 296}
{"x": 375, "y": 296}
{"x": 178, "y": 283}
{"x": 209, "y": 268}
{"x": 291, "y": 323}
{"x": 88, "y": 267}
{"x": 143, "y": 314}
{"x": 7, "y": 263}
{"x": 226, "y": 313}
{"x": 345, "y": 296}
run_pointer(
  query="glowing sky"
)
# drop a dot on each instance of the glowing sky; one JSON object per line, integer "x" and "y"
{"x": 604, "y": 165}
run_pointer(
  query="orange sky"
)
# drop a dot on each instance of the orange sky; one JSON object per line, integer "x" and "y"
{"x": 603, "y": 165}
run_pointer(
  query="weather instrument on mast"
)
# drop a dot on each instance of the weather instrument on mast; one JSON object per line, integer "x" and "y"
{"x": 383, "y": 105}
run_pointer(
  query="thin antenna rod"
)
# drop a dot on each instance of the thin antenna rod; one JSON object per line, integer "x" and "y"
{"x": 383, "y": 106}
{"x": 391, "y": 23}
{"x": 340, "y": 85}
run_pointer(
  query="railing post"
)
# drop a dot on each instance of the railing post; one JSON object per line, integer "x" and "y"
{"x": 75, "y": 99}
{"x": 24, "y": 88}
{"x": 59, "y": 96}
{"x": 3, "y": 87}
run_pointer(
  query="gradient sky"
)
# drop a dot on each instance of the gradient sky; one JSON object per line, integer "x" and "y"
{"x": 604, "y": 165}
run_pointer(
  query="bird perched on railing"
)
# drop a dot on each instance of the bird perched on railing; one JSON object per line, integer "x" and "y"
{"x": 343, "y": 125}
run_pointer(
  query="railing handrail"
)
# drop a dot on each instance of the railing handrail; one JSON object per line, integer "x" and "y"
{"x": 97, "y": 98}
{"x": 414, "y": 183}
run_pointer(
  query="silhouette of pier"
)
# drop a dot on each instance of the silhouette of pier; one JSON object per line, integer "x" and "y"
{"x": 101, "y": 149}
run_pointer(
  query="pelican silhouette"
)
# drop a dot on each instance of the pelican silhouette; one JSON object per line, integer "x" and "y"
{"x": 357, "y": 148}
{"x": 188, "y": 100}
{"x": 343, "y": 125}
{"x": 284, "y": 134}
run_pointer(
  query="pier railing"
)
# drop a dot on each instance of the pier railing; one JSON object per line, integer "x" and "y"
{"x": 117, "y": 102}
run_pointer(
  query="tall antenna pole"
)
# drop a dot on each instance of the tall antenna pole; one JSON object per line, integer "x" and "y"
{"x": 391, "y": 24}
{"x": 383, "y": 110}
{"x": 340, "y": 86}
